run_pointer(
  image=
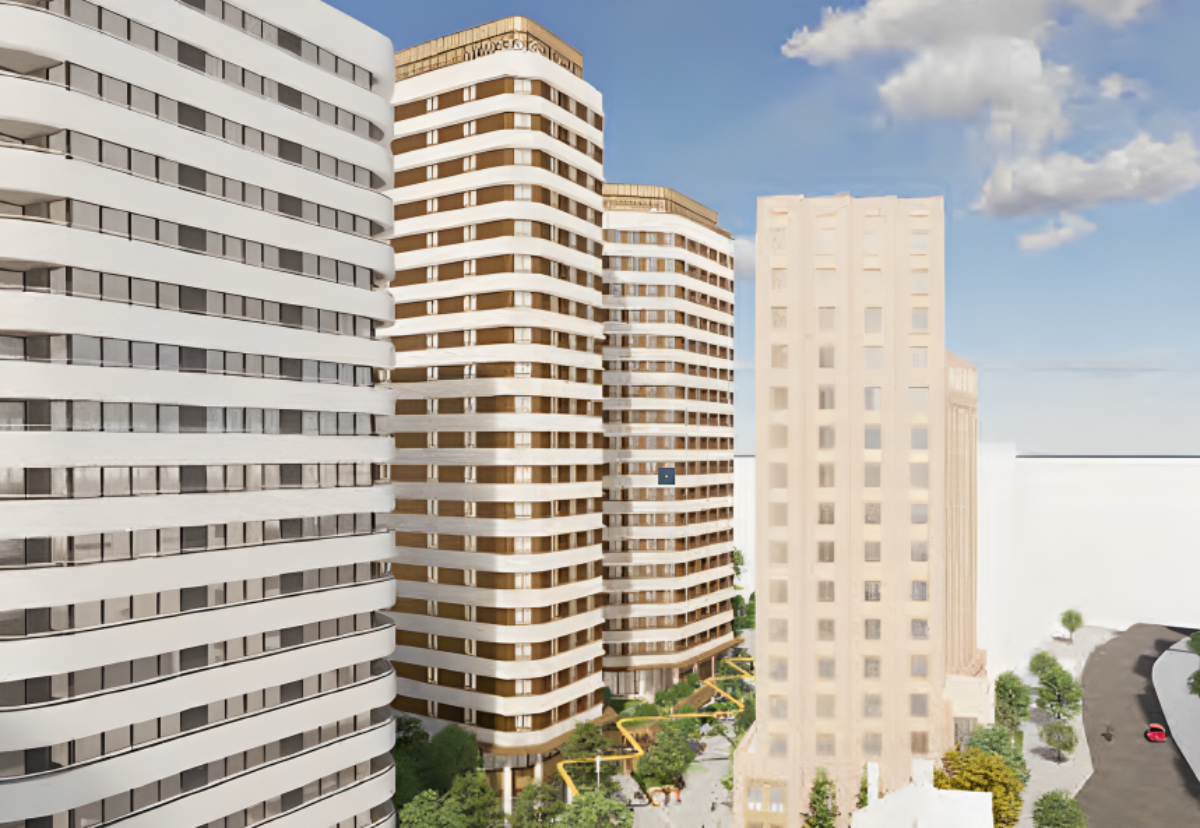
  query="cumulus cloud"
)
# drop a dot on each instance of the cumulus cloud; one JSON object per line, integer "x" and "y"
{"x": 1116, "y": 85}
{"x": 1066, "y": 228}
{"x": 743, "y": 257}
{"x": 1142, "y": 170}
{"x": 1115, "y": 12}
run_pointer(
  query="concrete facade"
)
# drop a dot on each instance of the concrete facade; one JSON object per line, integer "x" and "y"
{"x": 192, "y": 442}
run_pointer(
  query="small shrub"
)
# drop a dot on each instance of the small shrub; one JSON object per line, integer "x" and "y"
{"x": 1194, "y": 683}
{"x": 1057, "y": 809}
{"x": 1041, "y": 663}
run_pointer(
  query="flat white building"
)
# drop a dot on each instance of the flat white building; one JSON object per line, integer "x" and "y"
{"x": 499, "y": 439}
{"x": 192, "y": 264}
{"x": 668, "y": 413}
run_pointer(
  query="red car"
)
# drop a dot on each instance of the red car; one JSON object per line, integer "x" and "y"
{"x": 1156, "y": 733}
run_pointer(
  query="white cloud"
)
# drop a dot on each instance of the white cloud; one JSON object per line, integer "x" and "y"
{"x": 1142, "y": 170}
{"x": 1115, "y": 12}
{"x": 1116, "y": 85}
{"x": 743, "y": 257}
{"x": 1004, "y": 75}
{"x": 1066, "y": 228}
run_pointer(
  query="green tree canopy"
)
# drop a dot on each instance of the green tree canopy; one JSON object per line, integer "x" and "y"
{"x": 595, "y": 809}
{"x": 1041, "y": 662}
{"x": 587, "y": 742}
{"x": 743, "y": 720}
{"x": 1060, "y": 736}
{"x": 1059, "y": 694}
{"x": 426, "y": 810}
{"x": 451, "y": 752}
{"x": 976, "y": 770}
{"x": 472, "y": 798}
{"x": 1194, "y": 683}
{"x": 1058, "y": 809}
{"x": 1012, "y": 700}
{"x": 822, "y": 803}
{"x": 409, "y": 752}
{"x": 1194, "y": 643}
{"x": 667, "y": 757}
{"x": 1072, "y": 620}
{"x": 539, "y": 806}
{"x": 863, "y": 793}
{"x": 996, "y": 739}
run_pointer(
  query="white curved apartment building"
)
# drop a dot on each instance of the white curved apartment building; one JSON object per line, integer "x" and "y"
{"x": 192, "y": 451}
{"x": 498, "y": 462}
{"x": 668, "y": 408}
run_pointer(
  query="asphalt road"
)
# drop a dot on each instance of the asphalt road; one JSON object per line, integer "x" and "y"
{"x": 1136, "y": 784}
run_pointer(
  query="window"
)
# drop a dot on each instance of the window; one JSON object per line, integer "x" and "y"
{"x": 778, "y": 317}
{"x": 920, "y": 319}
{"x": 920, "y": 357}
{"x": 777, "y": 477}
{"x": 871, "y": 244}
{"x": 825, "y": 706}
{"x": 825, "y": 551}
{"x": 920, "y": 742}
{"x": 872, "y": 282}
{"x": 825, "y": 591}
{"x": 873, "y": 513}
{"x": 918, "y": 704}
{"x": 872, "y": 399}
{"x": 920, "y": 590}
{"x": 871, "y": 475}
{"x": 920, "y": 281}
{"x": 871, "y": 553}
{"x": 918, "y": 400}
{"x": 918, "y": 474}
{"x": 825, "y": 513}
{"x": 777, "y": 436}
{"x": 778, "y": 552}
{"x": 778, "y": 707}
{"x": 962, "y": 729}
{"x": 918, "y": 241}
{"x": 777, "y": 514}
{"x": 873, "y": 705}
{"x": 826, "y": 668}
{"x": 778, "y": 591}
{"x": 920, "y": 666}
{"x": 920, "y": 438}
{"x": 779, "y": 399}
{"x": 754, "y": 801}
{"x": 825, "y": 629}
{"x": 873, "y": 629}
{"x": 920, "y": 513}
{"x": 872, "y": 666}
{"x": 920, "y": 550}
{"x": 825, "y": 356}
{"x": 778, "y": 278}
{"x": 871, "y": 591}
{"x": 776, "y": 804}
{"x": 873, "y": 359}
{"x": 777, "y": 746}
{"x": 873, "y": 320}
{"x": 825, "y": 397}
{"x": 825, "y": 744}
{"x": 777, "y": 668}
{"x": 825, "y": 475}
{"x": 872, "y": 744}
{"x": 779, "y": 356}
{"x": 777, "y": 630}
{"x": 873, "y": 437}
{"x": 920, "y": 628}
{"x": 825, "y": 437}
{"x": 826, "y": 319}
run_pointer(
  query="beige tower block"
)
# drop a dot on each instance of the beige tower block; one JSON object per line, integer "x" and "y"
{"x": 866, "y": 518}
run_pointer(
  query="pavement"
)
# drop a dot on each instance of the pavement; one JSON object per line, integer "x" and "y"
{"x": 1135, "y": 782}
{"x": 1180, "y": 706}
{"x": 705, "y": 804}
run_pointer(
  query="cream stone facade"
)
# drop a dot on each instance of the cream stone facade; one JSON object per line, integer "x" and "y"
{"x": 668, "y": 380}
{"x": 865, "y": 488}
{"x": 193, "y": 446}
{"x": 498, "y": 465}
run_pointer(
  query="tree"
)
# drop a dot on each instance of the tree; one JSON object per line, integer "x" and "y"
{"x": 822, "y": 803}
{"x": 587, "y": 742}
{"x": 864, "y": 798}
{"x": 1072, "y": 620}
{"x": 1057, "y": 809}
{"x": 427, "y": 809}
{"x": 975, "y": 770}
{"x": 1194, "y": 643}
{"x": 472, "y": 798}
{"x": 451, "y": 752}
{"x": 668, "y": 756}
{"x": 996, "y": 739}
{"x": 409, "y": 752}
{"x": 1059, "y": 694}
{"x": 739, "y": 561}
{"x": 1194, "y": 683}
{"x": 1060, "y": 736}
{"x": 538, "y": 805}
{"x": 1012, "y": 701}
{"x": 1041, "y": 662}
{"x": 746, "y": 717}
{"x": 594, "y": 809}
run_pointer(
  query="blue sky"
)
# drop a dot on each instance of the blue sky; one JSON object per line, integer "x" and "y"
{"x": 1086, "y": 340}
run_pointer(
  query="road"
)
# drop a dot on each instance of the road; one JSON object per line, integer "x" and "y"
{"x": 704, "y": 789}
{"x": 1135, "y": 783}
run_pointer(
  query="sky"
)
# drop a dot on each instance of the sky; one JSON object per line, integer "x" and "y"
{"x": 1062, "y": 134}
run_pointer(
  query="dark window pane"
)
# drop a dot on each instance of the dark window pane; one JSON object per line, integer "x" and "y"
{"x": 191, "y": 56}
{"x": 193, "y": 117}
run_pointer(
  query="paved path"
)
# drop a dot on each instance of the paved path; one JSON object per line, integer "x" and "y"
{"x": 704, "y": 789}
{"x": 1135, "y": 783}
{"x": 1181, "y": 708}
